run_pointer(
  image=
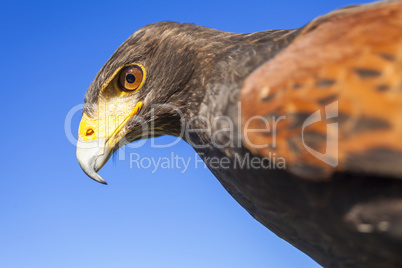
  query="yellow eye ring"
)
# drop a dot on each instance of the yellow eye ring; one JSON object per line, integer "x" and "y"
{"x": 131, "y": 78}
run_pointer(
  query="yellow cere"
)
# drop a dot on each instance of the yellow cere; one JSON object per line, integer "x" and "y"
{"x": 107, "y": 124}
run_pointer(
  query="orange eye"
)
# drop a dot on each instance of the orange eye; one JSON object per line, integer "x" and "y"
{"x": 130, "y": 78}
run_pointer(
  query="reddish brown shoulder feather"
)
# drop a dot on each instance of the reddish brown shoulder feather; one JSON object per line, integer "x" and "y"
{"x": 332, "y": 100}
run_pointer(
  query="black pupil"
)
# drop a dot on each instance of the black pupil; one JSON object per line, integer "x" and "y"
{"x": 130, "y": 78}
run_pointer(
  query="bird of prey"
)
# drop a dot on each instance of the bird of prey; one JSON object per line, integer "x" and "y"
{"x": 303, "y": 127}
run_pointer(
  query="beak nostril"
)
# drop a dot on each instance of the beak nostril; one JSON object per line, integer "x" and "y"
{"x": 89, "y": 132}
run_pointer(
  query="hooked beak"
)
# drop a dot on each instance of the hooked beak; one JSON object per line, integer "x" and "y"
{"x": 95, "y": 145}
{"x": 92, "y": 156}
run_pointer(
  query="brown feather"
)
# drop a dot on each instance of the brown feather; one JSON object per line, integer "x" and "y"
{"x": 351, "y": 59}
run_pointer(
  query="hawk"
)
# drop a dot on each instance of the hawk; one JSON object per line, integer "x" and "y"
{"x": 303, "y": 127}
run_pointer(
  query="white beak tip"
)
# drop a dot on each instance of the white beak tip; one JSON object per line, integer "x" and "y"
{"x": 91, "y": 158}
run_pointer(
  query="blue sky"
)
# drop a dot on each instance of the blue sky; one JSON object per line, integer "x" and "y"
{"x": 52, "y": 214}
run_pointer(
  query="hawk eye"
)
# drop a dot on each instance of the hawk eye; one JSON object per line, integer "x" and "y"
{"x": 131, "y": 78}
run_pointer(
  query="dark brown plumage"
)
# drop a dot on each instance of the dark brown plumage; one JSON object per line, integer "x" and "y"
{"x": 341, "y": 205}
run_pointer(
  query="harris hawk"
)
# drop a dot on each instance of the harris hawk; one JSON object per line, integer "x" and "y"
{"x": 325, "y": 99}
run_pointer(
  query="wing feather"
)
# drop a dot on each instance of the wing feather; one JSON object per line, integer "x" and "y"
{"x": 332, "y": 100}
